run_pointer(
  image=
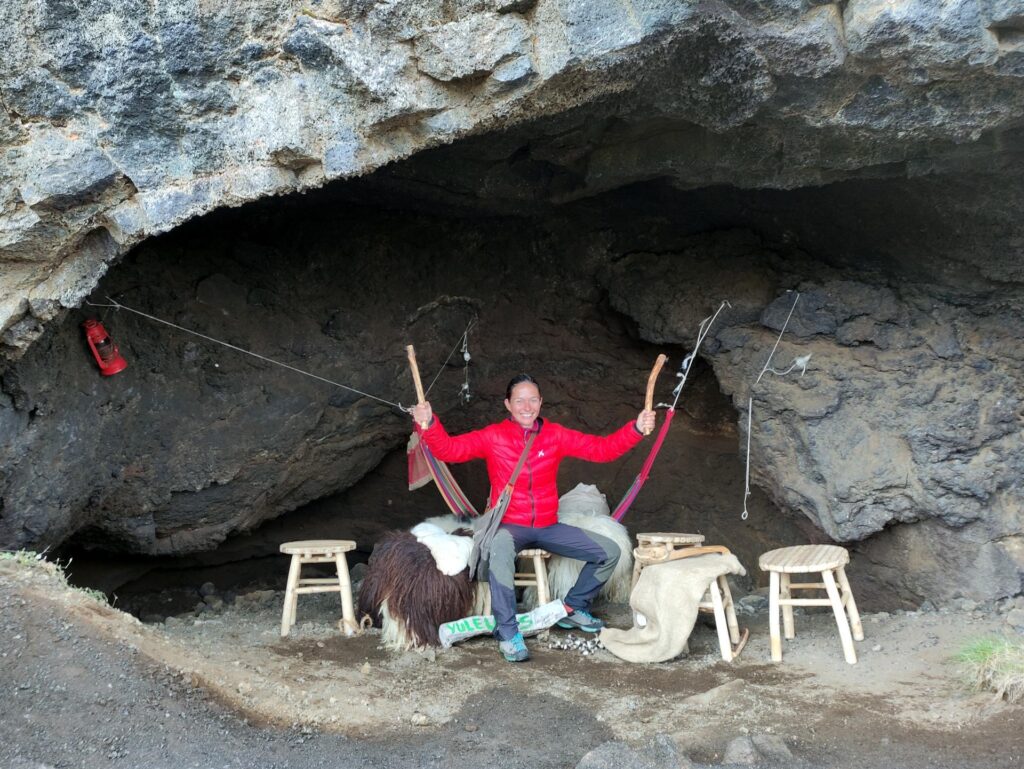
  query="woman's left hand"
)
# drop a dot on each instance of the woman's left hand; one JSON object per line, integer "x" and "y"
{"x": 645, "y": 422}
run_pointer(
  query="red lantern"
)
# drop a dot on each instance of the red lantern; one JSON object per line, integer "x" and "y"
{"x": 107, "y": 356}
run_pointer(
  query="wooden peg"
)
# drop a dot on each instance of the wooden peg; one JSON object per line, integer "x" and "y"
{"x": 649, "y": 399}
{"x": 420, "y": 397}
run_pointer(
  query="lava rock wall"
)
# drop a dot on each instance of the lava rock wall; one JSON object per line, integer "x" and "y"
{"x": 122, "y": 120}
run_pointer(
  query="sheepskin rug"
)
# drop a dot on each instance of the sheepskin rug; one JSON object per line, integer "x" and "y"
{"x": 406, "y": 595}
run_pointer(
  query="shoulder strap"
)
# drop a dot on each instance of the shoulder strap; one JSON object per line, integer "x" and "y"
{"x": 519, "y": 464}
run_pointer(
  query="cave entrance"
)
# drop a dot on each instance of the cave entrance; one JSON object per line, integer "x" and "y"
{"x": 336, "y": 282}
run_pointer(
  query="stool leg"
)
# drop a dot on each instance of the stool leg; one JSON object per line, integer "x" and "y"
{"x": 637, "y": 566}
{"x": 348, "y": 614}
{"x": 540, "y": 570}
{"x": 290, "y": 596}
{"x": 787, "y": 610}
{"x": 851, "y": 605}
{"x": 773, "y": 616}
{"x": 730, "y": 610}
{"x": 721, "y": 626}
{"x": 484, "y": 593}
{"x": 840, "y": 612}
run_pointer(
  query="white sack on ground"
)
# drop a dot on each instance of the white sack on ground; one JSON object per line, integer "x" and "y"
{"x": 666, "y": 597}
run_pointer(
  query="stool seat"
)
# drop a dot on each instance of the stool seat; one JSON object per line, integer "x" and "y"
{"x": 532, "y": 552}
{"x": 802, "y": 559}
{"x": 827, "y": 560}
{"x": 318, "y": 547}
{"x": 318, "y": 551}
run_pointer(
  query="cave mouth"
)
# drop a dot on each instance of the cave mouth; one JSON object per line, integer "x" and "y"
{"x": 335, "y": 282}
{"x": 202, "y": 460}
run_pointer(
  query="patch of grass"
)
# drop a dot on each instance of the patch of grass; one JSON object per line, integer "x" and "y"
{"x": 35, "y": 560}
{"x": 21, "y": 557}
{"x": 997, "y": 664}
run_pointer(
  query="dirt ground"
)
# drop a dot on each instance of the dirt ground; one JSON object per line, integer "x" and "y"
{"x": 88, "y": 686}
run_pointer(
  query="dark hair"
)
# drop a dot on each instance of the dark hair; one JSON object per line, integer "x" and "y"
{"x": 519, "y": 379}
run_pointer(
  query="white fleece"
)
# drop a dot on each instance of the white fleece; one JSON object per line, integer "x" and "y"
{"x": 451, "y": 553}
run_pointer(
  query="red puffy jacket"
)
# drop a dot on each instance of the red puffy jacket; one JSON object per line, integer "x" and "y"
{"x": 535, "y": 496}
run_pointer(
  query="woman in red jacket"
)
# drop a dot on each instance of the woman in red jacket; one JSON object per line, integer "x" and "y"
{"x": 531, "y": 520}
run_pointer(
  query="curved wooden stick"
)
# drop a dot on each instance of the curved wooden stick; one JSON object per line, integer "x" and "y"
{"x": 649, "y": 399}
{"x": 420, "y": 397}
{"x": 652, "y": 554}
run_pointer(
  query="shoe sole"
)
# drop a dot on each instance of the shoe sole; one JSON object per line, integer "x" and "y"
{"x": 581, "y": 628}
{"x": 516, "y": 659}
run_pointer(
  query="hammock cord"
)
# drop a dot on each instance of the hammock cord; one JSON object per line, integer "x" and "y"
{"x": 463, "y": 345}
{"x": 118, "y": 306}
{"x": 684, "y": 371}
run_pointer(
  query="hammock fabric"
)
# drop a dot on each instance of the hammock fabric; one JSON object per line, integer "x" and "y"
{"x": 623, "y": 507}
{"x": 424, "y": 467}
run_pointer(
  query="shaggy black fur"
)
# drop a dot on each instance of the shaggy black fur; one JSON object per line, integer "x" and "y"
{"x": 402, "y": 572}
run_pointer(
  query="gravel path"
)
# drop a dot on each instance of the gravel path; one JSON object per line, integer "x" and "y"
{"x": 83, "y": 690}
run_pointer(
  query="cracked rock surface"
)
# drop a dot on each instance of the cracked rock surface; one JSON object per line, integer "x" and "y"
{"x": 123, "y": 120}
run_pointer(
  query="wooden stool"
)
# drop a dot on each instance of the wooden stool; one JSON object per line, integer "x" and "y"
{"x": 828, "y": 560}
{"x": 661, "y": 548}
{"x": 319, "y": 551}
{"x": 537, "y": 579}
{"x": 667, "y": 541}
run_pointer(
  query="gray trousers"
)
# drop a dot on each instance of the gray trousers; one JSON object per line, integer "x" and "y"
{"x": 600, "y": 554}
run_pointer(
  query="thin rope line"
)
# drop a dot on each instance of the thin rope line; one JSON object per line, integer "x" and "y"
{"x": 705, "y": 328}
{"x": 783, "y": 331}
{"x": 750, "y": 402}
{"x": 746, "y": 491}
{"x": 118, "y": 306}
{"x": 456, "y": 347}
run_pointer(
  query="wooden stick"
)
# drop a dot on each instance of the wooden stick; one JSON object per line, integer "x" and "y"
{"x": 658, "y": 554}
{"x": 420, "y": 397}
{"x": 649, "y": 400}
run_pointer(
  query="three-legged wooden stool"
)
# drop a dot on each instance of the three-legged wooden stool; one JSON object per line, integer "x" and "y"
{"x": 319, "y": 551}
{"x": 828, "y": 560}
{"x": 538, "y": 579}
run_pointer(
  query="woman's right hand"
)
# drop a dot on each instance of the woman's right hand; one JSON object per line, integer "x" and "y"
{"x": 422, "y": 413}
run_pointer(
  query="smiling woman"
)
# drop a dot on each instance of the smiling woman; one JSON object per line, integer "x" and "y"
{"x": 523, "y": 401}
{"x": 528, "y": 443}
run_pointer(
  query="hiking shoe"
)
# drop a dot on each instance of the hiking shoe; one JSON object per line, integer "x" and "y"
{"x": 514, "y": 649}
{"x": 581, "y": 620}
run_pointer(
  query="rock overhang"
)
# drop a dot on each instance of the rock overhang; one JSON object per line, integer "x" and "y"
{"x": 123, "y": 122}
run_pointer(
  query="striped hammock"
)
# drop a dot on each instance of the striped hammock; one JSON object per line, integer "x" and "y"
{"x": 424, "y": 467}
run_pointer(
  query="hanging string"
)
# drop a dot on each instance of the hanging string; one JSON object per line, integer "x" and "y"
{"x": 463, "y": 343}
{"x": 464, "y": 393}
{"x": 801, "y": 362}
{"x": 684, "y": 367}
{"x": 746, "y": 490}
{"x": 783, "y": 331}
{"x": 118, "y": 306}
